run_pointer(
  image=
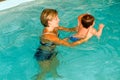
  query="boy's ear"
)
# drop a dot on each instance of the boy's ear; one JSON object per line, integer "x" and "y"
{"x": 93, "y": 24}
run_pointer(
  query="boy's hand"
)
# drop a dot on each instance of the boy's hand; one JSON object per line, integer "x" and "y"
{"x": 101, "y": 26}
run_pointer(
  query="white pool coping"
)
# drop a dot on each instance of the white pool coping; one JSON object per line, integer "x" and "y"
{"x": 11, "y": 3}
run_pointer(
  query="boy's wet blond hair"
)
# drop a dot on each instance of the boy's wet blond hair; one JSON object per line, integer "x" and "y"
{"x": 47, "y": 15}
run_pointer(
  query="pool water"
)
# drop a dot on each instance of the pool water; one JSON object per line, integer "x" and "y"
{"x": 20, "y": 28}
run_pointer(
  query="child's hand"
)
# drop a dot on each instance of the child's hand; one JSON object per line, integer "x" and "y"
{"x": 101, "y": 26}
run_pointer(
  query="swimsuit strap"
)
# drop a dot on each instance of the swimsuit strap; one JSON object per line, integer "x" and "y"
{"x": 48, "y": 43}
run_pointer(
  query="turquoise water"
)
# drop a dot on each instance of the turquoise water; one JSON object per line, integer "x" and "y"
{"x": 94, "y": 60}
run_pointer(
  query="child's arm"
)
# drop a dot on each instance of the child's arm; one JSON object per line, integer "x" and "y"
{"x": 99, "y": 32}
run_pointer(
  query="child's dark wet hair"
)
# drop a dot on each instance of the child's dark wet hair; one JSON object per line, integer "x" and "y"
{"x": 87, "y": 20}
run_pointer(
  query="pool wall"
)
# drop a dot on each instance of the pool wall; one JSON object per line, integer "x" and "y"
{"x": 11, "y": 3}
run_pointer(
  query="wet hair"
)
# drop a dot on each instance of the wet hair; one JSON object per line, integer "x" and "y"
{"x": 47, "y": 15}
{"x": 87, "y": 20}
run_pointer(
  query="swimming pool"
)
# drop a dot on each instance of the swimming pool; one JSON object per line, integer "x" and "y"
{"x": 94, "y": 60}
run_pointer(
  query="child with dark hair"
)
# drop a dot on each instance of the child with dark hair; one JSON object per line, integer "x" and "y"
{"x": 86, "y": 28}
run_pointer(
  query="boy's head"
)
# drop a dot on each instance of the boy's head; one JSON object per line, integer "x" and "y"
{"x": 47, "y": 15}
{"x": 87, "y": 20}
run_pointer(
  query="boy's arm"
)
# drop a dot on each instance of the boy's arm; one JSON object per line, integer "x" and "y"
{"x": 67, "y": 29}
{"x": 99, "y": 32}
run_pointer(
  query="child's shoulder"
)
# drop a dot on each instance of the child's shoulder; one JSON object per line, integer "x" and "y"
{"x": 93, "y": 30}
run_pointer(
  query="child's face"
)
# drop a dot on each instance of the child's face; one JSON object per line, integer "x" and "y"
{"x": 55, "y": 21}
